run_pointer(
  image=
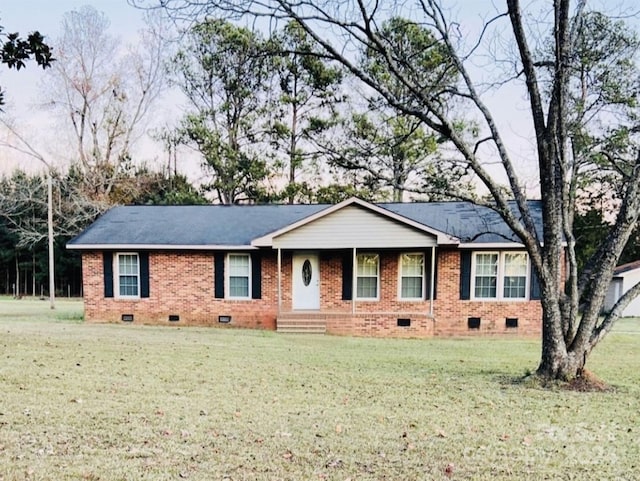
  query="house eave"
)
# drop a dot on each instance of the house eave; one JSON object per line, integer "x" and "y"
{"x": 497, "y": 245}
{"x": 491, "y": 245}
{"x": 158, "y": 247}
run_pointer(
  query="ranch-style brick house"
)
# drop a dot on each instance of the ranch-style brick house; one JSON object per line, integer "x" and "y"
{"x": 354, "y": 268}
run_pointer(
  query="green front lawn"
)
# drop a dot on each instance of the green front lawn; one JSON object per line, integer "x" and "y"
{"x": 124, "y": 402}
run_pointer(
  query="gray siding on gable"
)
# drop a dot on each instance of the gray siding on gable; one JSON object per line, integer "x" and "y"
{"x": 353, "y": 227}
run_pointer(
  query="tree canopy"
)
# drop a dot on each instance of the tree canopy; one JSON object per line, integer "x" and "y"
{"x": 222, "y": 70}
{"x": 308, "y": 96}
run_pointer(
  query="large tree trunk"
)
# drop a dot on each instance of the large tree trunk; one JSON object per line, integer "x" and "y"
{"x": 558, "y": 363}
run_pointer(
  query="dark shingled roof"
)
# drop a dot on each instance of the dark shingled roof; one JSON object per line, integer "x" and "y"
{"x": 238, "y": 225}
{"x": 230, "y": 225}
{"x": 466, "y": 221}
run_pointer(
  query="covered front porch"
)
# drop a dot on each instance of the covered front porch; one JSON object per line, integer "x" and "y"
{"x": 354, "y": 265}
{"x": 346, "y": 290}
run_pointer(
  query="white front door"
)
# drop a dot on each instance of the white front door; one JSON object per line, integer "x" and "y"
{"x": 306, "y": 281}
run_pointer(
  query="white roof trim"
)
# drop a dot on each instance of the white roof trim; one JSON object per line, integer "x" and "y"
{"x": 497, "y": 245}
{"x": 491, "y": 245}
{"x": 441, "y": 237}
{"x": 622, "y": 275}
{"x": 158, "y": 247}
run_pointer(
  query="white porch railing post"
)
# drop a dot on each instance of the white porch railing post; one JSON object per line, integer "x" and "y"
{"x": 279, "y": 281}
{"x": 354, "y": 281}
{"x": 433, "y": 277}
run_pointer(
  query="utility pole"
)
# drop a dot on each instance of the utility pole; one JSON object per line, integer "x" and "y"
{"x": 52, "y": 277}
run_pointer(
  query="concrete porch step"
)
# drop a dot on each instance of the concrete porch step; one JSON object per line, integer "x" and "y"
{"x": 301, "y": 325}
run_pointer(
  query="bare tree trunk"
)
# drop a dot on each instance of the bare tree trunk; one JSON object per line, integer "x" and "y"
{"x": 556, "y": 362}
{"x": 17, "y": 293}
{"x": 33, "y": 274}
{"x": 292, "y": 148}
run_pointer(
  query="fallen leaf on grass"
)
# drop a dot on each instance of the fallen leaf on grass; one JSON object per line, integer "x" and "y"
{"x": 288, "y": 455}
{"x": 334, "y": 463}
{"x": 448, "y": 470}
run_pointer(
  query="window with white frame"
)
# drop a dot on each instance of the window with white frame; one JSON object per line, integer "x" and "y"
{"x": 486, "y": 275}
{"x": 515, "y": 275}
{"x": 411, "y": 276}
{"x": 368, "y": 277}
{"x": 239, "y": 268}
{"x": 128, "y": 275}
{"x": 500, "y": 275}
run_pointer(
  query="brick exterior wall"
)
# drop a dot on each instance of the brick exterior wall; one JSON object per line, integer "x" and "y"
{"x": 452, "y": 314}
{"x": 182, "y": 284}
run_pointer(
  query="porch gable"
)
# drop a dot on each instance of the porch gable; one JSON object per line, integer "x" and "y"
{"x": 354, "y": 223}
{"x": 353, "y": 226}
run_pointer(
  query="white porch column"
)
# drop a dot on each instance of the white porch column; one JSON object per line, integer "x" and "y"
{"x": 433, "y": 278}
{"x": 279, "y": 280}
{"x": 354, "y": 281}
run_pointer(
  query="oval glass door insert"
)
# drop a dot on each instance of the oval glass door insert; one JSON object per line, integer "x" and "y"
{"x": 306, "y": 272}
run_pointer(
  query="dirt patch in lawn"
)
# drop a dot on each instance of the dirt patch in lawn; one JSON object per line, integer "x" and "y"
{"x": 588, "y": 382}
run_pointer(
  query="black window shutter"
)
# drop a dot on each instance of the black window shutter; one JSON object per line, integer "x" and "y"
{"x": 144, "y": 273}
{"x": 107, "y": 268}
{"x": 534, "y": 288}
{"x": 465, "y": 275}
{"x": 347, "y": 276}
{"x": 256, "y": 275}
{"x": 219, "y": 275}
{"x": 427, "y": 273}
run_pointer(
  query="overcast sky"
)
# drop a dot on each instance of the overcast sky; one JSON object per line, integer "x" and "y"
{"x": 23, "y": 89}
